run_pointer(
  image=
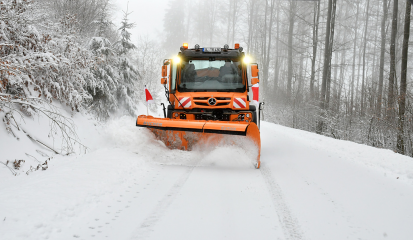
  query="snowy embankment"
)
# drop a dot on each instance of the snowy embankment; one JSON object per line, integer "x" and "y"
{"x": 130, "y": 186}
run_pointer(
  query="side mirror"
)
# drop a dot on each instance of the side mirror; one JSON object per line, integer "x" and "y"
{"x": 261, "y": 106}
{"x": 164, "y": 81}
{"x": 254, "y": 81}
{"x": 254, "y": 71}
{"x": 164, "y": 71}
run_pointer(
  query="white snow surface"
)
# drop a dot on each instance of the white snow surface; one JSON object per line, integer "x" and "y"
{"x": 130, "y": 186}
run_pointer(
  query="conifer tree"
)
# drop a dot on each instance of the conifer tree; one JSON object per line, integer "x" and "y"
{"x": 103, "y": 90}
{"x": 128, "y": 74}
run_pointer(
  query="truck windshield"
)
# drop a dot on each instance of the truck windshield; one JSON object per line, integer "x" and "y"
{"x": 211, "y": 76}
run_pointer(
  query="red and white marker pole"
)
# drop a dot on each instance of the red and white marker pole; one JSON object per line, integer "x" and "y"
{"x": 255, "y": 94}
{"x": 149, "y": 99}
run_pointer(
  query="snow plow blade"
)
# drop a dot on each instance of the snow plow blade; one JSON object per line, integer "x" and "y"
{"x": 183, "y": 134}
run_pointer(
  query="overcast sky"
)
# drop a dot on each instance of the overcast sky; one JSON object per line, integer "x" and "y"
{"x": 147, "y": 15}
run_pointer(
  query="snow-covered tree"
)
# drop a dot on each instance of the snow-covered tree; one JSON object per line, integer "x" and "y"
{"x": 104, "y": 88}
{"x": 116, "y": 75}
{"x": 37, "y": 67}
{"x": 128, "y": 74}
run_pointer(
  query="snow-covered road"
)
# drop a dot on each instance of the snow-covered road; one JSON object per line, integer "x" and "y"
{"x": 193, "y": 201}
{"x": 132, "y": 187}
{"x": 337, "y": 189}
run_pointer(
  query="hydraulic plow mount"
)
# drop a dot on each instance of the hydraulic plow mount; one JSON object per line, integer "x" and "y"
{"x": 208, "y": 99}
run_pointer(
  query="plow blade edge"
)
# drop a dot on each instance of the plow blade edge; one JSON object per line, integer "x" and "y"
{"x": 183, "y": 134}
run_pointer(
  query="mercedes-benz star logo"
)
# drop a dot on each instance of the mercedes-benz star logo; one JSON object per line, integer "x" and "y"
{"x": 212, "y": 101}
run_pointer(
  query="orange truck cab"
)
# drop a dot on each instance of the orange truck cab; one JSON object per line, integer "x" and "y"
{"x": 210, "y": 84}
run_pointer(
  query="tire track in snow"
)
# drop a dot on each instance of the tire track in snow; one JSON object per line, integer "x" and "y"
{"x": 150, "y": 221}
{"x": 288, "y": 222}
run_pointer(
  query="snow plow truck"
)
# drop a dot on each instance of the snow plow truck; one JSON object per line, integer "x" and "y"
{"x": 207, "y": 90}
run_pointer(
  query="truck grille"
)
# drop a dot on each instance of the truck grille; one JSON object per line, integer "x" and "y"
{"x": 203, "y": 101}
{"x": 222, "y": 104}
